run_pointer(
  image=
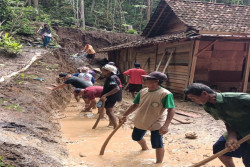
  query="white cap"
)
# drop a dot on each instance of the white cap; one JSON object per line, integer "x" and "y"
{"x": 110, "y": 68}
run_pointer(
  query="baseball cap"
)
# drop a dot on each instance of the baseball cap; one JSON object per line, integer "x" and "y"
{"x": 110, "y": 68}
{"x": 97, "y": 69}
{"x": 63, "y": 74}
{"x": 77, "y": 90}
{"x": 111, "y": 63}
{"x": 156, "y": 75}
{"x": 137, "y": 65}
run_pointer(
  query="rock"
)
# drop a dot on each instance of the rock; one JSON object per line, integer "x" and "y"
{"x": 191, "y": 135}
{"x": 82, "y": 155}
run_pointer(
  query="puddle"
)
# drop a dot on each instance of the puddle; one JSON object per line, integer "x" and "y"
{"x": 84, "y": 145}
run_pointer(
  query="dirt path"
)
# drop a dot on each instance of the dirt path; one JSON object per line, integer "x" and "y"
{"x": 123, "y": 152}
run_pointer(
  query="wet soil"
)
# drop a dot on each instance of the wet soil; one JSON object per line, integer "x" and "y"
{"x": 30, "y": 134}
{"x": 84, "y": 143}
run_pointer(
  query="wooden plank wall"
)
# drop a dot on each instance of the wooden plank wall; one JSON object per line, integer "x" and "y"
{"x": 221, "y": 64}
{"x": 178, "y": 69}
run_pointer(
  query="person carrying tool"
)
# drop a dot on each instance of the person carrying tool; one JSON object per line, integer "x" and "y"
{"x": 89, "y": 94}
{"x": 72, "y": 80}
{"x": 234, "y": 110}
{"x": 112, "y": 92}
{"x": 135, "y": 78}
{"x": 155, "y": 110}
{"x": 90, "y": 52}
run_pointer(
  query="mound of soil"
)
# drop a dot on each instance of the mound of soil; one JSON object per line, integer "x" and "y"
{"x": 75, "y": 39}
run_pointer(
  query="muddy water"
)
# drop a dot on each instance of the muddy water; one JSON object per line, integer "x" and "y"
{"x": 84, "y": 145}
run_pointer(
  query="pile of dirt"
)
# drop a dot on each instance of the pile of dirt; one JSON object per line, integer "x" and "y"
{"x": 75, "y": 39}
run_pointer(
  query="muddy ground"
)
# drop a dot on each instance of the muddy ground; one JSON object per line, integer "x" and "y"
{"x": 29, "y": 129}
{"x": 40, "y": 128}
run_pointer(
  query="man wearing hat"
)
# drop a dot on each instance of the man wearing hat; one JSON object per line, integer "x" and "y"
{"x": 72, "y": 80}
{"x": 112, "y": 91}
{"x": 89, "y": 94}
{"x": 155, "y": 110}
{"x": 135, "y": 78}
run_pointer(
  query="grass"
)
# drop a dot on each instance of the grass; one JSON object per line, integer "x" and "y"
{"x": 4, "y": 165}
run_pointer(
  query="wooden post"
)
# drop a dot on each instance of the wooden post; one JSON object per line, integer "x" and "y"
{"x": 194, "y": 59}
{"x": 157, "y": 68}
{"x": 246, "y": 70}
{"x": 204, "y": 49}
{"x": 156, "y": 55}
{"x": 169, "y": 59}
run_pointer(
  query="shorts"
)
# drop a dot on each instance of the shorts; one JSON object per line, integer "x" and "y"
{"x": 90, "y": 56}
{"x": 243, "y": 151}
{"x": 109, "y": 104}
{"x": 156, "y": 137}
{"x": 134, "y": 87}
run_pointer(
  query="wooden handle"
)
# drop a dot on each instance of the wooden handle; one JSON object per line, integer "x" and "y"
{"x": 222, "y": 152}
{"x": 97, "y": 121}
{"x": 99, "y": 117}
{"x": 109, "y": 137}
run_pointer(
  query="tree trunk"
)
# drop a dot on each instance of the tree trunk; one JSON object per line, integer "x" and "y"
{"x": 113, "y": 19}
{"x": 148, "y": 10}
{"x": 77, "y": 13}
{"x": 29, "y": 2}
{"x": 82, "y": 14}
{"x": 35, "y": 4}
{"x": 92, "y": 7}
{"x": 107, "y": 10}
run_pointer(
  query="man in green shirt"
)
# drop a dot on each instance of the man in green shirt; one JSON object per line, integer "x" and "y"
{"x": 234, "y": 110}
{"x": 155, "y": 110}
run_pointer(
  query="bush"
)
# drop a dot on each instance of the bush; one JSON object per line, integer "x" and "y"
{"x": 8, "y": 44}
{"x": 22, "y": 27}
{"x": 131, "y": 31}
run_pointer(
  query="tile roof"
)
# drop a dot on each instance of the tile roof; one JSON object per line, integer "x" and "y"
{"x": 212, "y": 16}
{"x": 152, "y": 41}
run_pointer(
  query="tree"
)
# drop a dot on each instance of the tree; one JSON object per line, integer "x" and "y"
{"x": 35, "y": 2}
{"x": 82, "y": 14}
{"x": 148, "y": 10}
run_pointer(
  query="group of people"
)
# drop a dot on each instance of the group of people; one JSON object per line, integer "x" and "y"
{"x": 155, "y": 107}
{"x": 46, "y": 35}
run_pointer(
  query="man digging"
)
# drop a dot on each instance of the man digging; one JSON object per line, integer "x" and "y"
{"x": 72, "y": 80}
{"x": 155, "y": 110}
{"x": 112, "y": 92}
{"x": 89, "y": 94}
{"x": 234, "y": 110}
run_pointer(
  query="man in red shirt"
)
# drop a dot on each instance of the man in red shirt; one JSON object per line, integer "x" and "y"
{"x": 135, "y": 78}
{"x": 89, "y": 94}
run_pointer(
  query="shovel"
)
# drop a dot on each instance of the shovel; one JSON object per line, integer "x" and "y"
{"x": 109, "y": 137}
{"x": 99, "y": 117}
{"x": 222, "y": 152}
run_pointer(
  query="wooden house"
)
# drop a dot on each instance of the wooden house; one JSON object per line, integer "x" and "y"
{"x": 193, "y": 41}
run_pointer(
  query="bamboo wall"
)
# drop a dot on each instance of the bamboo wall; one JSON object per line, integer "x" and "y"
{"x": 221, "y": 64}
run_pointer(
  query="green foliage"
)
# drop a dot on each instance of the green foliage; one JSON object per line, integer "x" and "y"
{"x": 9, "y": 44}
{"x": 131, "y": 31}
{"x": 4, "y": 165}
{"x": 5, "y": 10}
